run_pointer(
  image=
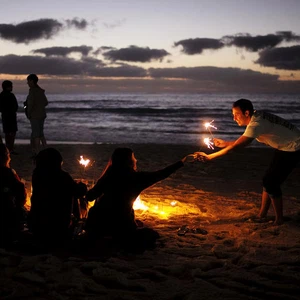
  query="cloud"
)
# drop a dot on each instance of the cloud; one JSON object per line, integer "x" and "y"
{"x": 259, "y": 42}
{"x": 121, "y": 71}
{"x": 240, "y": 40}
{"x": 64, "y": 51}
{"x": 82, "y": 84}
{"x": 78, "y": 24}
{"x": 65, "y": 66}
{"x": 64, "y": 71}
{"x": 232, "y": 76}
{"x": 136, "y": 54}
{"x": 103, "y": 49}
{"x": 30, "y": 31}
{"x": 285, "y": 58}
{"x": 198, "y": 45}
{"x": 115, "y": 24}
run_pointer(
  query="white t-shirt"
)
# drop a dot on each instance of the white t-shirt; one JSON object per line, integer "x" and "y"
{"x": 273, "y": 131}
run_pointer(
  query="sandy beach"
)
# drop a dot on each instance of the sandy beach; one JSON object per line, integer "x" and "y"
{"x": 223, "y": 255}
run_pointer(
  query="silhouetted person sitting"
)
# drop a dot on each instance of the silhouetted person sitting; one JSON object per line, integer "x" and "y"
{"x": 53, "y": 195}
{"x": 12, "y": 200}
{"x": 118, "y": 187}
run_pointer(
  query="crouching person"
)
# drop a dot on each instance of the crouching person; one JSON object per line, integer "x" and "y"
{"x": 53, "y": 195}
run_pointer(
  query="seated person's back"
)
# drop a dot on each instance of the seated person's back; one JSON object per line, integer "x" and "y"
{"x": 12, "y": 199}
{"x": 116, "y": 190}
{"x": 53, "y": 194}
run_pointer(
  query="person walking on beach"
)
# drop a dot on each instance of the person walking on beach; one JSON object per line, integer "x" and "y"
{"x": 35, "y": 110}
{"x": 12, "y": 200}
{"x": 8, "y": 108}
{"x": 116, "y": 190}
{"x": 273, "y": 131}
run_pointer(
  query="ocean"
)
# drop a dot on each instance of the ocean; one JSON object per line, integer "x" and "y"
{"x": 148, "y": 118}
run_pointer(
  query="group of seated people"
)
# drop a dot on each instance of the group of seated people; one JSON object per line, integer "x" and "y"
{"x": 55, "y": 194}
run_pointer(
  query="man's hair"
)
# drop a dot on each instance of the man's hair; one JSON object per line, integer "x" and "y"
{"x": 33, "y": 77}
{"x": 244, "y": 105}
{"x": 6, "y": 84}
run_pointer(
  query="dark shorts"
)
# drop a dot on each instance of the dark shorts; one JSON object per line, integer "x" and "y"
{"x": 37, "y": 128}
{"x": 279, "y": 169}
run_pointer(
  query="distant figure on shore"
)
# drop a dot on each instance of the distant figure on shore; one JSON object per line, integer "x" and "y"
{"x": 273, "y": 131}
{"x": 8, "y": 108}
{"x": 12, "y": 200}
{"x": 115, "y": 192}
{"x": 52, "y": 199}
{"x": 35, "y": 109}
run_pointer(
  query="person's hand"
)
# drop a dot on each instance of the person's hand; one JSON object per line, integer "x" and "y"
{"x": 201, "y": 156}
{"x": 188, "y": 158}
{"x": 219, "y": 143}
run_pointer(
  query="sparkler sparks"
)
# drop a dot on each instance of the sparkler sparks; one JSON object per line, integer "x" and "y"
{"x": 209, "y": 125}
{"x": 208, "y": 143}
{"x": 84, "y": 162}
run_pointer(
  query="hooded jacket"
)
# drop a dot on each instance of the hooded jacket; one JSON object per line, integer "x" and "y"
{"x": 36, "y": 103}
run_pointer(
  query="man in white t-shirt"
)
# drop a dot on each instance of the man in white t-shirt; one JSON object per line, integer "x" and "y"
{"x": 273, "y": 131}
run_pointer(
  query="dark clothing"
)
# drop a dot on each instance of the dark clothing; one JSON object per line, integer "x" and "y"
{"x": 8, "y": 108}
{"x": 36, "y": 103}
{"x": 112, "y": 214}
{"x": 12, "y": 200}
{"x": 53, "y": 194}
{"x": 281, "y": 166}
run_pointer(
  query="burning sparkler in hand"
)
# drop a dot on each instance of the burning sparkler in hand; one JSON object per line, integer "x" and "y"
{"x": 208, "y": 142}
{"x": 84, "y": 162}
{"x": 209, "y": 125}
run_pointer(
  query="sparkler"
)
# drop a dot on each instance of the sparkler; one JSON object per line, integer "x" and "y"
{"x": 84, "y": 162}
{"x": 83, "y": 206}
{"x": 207, "y": 141}
{"x": 208, "y": 126}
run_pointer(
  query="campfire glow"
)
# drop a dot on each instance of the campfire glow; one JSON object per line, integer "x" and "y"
{"x": 163, "y": 209}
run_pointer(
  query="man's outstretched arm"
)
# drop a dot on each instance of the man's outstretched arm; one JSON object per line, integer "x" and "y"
{"x": 241, "y": 142}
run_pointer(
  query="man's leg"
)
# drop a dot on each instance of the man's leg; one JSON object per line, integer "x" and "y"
{"x": 278, "y": 209}
{"x": 44, "y": 142}
{"x": 265, "y": 204}
{"x": 42, "y": 136}
{"x": 35, "y": 146}
{"x": 10, "y": 140}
